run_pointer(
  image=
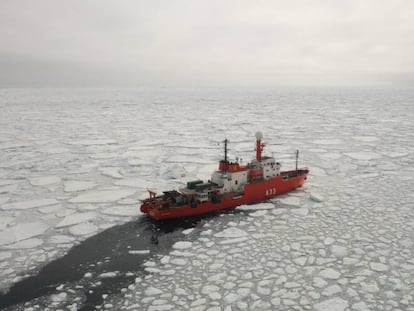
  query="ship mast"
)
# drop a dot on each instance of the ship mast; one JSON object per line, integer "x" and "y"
{"x": 224, "y": 164}
{"x": 225, "y": 150}
{"x": 259, "y": 146}
{"x": 297, "y": 157}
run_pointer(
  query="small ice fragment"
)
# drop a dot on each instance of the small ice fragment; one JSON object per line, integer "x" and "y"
{"x": 58, "y": 297}
{"x": 260, "y": 213}
{"x": 332, "y": 290}
{"x": 139, "y": 252}
{"x": 316, "y": 197}
{"x": 254, "y": 207}
{"x": 377, "y": 266}
{"x": 290, "y": 200}
{"x": 339, "y": 251}
{"x": 151, "y": 291}
{"x": 330, "y": 274}
{"x": 188, "y": 231}
{"x": 231, "y": 233}
{"x": 303, "y": 211}
{"x": 182, "y": 245}
{"x": 333, "y": 304}
{"x": 107, "y": 275}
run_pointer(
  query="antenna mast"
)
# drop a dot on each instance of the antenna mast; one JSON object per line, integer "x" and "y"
{"x": 225, "y": 150}
{"x": 297, "y": 157}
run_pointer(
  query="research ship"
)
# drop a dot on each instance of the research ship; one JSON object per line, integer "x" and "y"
{"x": 233, "y": 184}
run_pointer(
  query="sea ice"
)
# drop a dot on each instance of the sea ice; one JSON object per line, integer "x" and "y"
{"x": 130, "y": 182}
{"x": 260, "y": 213}
{"x": 152, "y": 291}
{"x": 4, "y": 221}
{"x": 3, "y": 199}
{"x": 58, "y": 297}
{"x": 377, "y": 266}
{"x": 363, "y": 155}
{"x": 76, "y": 218}
{"x": 123, "y": 210}
{"x": 316, "y": 197}
{"x": 107, "y": 275}
{"x": 254, "y": 207}
{"x": 339, "y": 251}
{"x": 330, "y": 274}
{"x": 188, "y": 231}
{"x": 60, "y": 239}
{"x": 303, "y": 211}
{"x": 333, "y": 304}
{"x": 85, "y": 228}
{"x": 111, "y": 172}
{"x": 231, "y": 233}
{"x": 290, "y": 200}
{"x": 44, "y": 180}
{"x": 366, "y": 138}
{"x": 22, "y": 231}
{"x": 91, "y": 142}
{"x": 331, "y": 290}
{"x": 78, "y": 185}
{"x": 182, "y": 245}
{"x": 25, "y": 244}
{"x": 102, "y": 196}
{"x": 333, "y": 141}
{"x": 139, "y": 252}
{"x": 29, "y": 204}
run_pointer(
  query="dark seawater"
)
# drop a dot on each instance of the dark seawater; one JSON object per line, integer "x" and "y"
{"x": 107, "y": 251}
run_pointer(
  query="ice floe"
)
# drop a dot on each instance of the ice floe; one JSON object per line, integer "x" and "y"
{"x": 139, "y": 252}
{"x": 363, "y": 155}
{"x": 22, "y": 231}
{"x": 76, "y": 219}
{"x": 102, "y": 196}
{"x": 45, "y": 180}
{"x": 333, "y": 304}
{"x": 29, "y": 204}
{"x": 85, "y": 228}
{"x": 123, "y": 210}
{"x": 78, "y": 185}
{"x": 182, "y": 245}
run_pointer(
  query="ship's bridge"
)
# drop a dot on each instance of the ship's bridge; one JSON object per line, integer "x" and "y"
{"x": 230, "y": 176}
{"x": 271, "y": 168}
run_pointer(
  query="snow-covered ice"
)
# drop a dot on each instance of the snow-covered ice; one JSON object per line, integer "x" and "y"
{"x": 29, "y": 204}
{"x": 76, "y": 219}
{"x": 85, "y": 228}
{"x": 78, "y": 185}
{"x": 102, "y": 196}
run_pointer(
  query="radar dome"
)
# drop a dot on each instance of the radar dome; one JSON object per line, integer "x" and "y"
{"x": 259, "y": 135}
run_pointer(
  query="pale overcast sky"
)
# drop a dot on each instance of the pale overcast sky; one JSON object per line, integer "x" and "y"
{"x": 206, "y": 43}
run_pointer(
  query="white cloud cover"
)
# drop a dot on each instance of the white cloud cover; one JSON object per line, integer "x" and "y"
{"x": 180, "y": 43}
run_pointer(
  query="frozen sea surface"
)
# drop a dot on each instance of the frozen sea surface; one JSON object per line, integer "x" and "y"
{"x": 75, "y": 162}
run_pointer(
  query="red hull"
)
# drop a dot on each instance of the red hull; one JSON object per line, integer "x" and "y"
{"x": 253, "y": 193}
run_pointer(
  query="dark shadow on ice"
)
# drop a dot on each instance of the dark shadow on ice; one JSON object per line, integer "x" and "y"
{"x": 107, "y": 251}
